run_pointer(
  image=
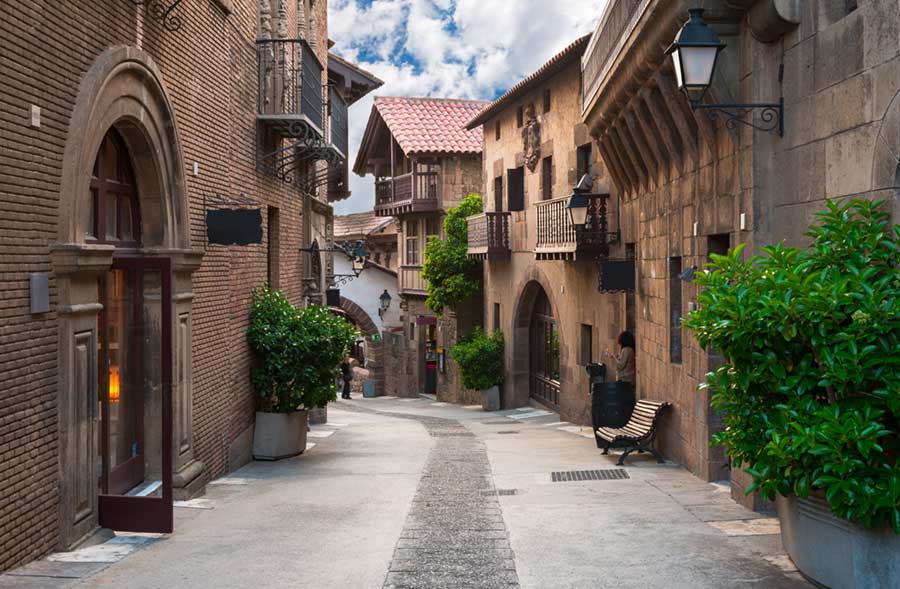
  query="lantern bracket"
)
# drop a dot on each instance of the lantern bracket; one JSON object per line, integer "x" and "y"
{"x": 160, "y": 11}
{"x": 771, "y": 114}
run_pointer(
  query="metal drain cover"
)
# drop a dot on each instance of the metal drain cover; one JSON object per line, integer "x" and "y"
{"x": 589, "y": 475}
{"x": 512, "y": 431}
{"x": 498, "y": 422}
{"x": 501, "y": 492}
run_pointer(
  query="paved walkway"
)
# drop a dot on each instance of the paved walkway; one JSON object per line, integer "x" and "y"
{"x": 414, "y": 493}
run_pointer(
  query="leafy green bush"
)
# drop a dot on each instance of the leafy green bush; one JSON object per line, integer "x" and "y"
{"x": 297, "y": 352}
{"x": 452, "y": 277}
{"x": 810, "y": 393}
{"x": 480, "y": 359}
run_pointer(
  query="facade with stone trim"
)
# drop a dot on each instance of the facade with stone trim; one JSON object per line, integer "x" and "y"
{"x": 121, "y": 136}
{"x": 684, "y": 184}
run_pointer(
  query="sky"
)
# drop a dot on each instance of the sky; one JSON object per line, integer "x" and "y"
{"x": 475, "y": 49}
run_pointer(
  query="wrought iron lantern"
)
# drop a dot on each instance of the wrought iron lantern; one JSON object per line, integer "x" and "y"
{"x": 385, "y": 301}
{"x": 695, "y": 54}
{"x": 358, "y": 256}
{"x": 579, "y": 203}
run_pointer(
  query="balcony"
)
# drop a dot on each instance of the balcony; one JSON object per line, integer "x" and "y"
{"x": 290, "y": 97}
{"x": 558, "y": 239}
{"x": 415, "y": 192}
{"x": 411, "y": 281}
{"x": 612, "y": 32}
{"x": 488, "y": 236}
{"x": 338, "y": 129}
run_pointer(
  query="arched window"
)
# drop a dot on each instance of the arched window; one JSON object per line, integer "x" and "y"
{"x": 115, "y": 215}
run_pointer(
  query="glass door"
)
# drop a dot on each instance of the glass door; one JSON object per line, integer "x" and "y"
{"x": 135, "y": 482}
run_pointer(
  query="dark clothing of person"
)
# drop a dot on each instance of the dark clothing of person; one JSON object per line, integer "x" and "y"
{"x": 347, "y": 376}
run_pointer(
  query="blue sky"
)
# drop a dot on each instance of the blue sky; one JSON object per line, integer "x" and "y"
{"x": 448, "y": 48}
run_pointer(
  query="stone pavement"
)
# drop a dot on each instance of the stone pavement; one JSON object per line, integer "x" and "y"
{"x": 415, "y": 493}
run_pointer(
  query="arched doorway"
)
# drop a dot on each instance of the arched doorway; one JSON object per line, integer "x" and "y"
{"x": 543, "y": 360}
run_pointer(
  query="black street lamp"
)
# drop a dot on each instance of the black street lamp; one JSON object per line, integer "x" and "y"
{"x": 579, "y": 203}
{"x": 695, "y": 53}
{"x": 385, "y": 300}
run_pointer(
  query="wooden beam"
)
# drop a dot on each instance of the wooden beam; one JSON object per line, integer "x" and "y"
{"x": 670, "y": 101}
{"x": 652, "y": 115}
{"x": 618, "y": 152}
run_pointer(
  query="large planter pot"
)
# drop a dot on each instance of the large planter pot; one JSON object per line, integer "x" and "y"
{"x": 490, "y": 399}
{"x": 834, "y": 552}
{"x": 279, "y": 435}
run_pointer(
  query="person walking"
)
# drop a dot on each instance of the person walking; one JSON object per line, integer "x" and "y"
{"x": 347, "y": 377}
{"x": 625, "y": 358}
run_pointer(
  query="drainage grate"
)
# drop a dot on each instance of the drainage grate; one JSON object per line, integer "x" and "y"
{"x": 589, "y": 475}
{"x": 498, "y": 422}
{"x": 512, "y": 431}
{"x": 501, "y": 492}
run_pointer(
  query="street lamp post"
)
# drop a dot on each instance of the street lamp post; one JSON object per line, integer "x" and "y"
{"x": 385, "y": 303}
{"x": 695, "y": 53}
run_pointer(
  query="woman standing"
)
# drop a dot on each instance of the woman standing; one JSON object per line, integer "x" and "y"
{"x": 625, "y": 358}
{"x": 347, "y": 377}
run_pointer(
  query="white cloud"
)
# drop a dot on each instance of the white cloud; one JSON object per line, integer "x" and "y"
{"x": 448, "y": 48}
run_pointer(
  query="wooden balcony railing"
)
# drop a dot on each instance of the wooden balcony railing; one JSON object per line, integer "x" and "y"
{"x": 415, "y": 192}
{"x": 411, "y": 280}
{"x": 558, "y": 239}
{"x": 618, "y": 21}
{"x": 488, "y": 236}
{"x": 289, "y": 85}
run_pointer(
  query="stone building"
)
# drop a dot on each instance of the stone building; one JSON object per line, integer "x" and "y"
{"x": 424, "y": 163}
{"x": 540, "y": 285}
{"x": 683, "y": 183}
{"x": 130, "y": 135}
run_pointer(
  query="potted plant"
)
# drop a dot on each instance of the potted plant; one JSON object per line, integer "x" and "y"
{"x": 810, "y": 391}
{"x": 480, "y": 360}
{"x": 297, "y": 352}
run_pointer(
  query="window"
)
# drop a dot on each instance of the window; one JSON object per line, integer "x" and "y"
{"x": 432, "y": 227}
{"x": 497, "y": 131}
{"x": 496, "y": 316}
{"x": 274, "y": 244}
{"x": 675, "y": 310}
{"x": 520, "y": 116}
{"x": 498, "y": 194}
{"x": 515, "y": 180}
{"x": 547, "y": 177}
{"x": 412, "y": 331}
{"x": 114, "y": 202}
{"x": 718, "y": 244}
{"x": 587, "y": 345}
{"x": 585, "y": 154}
{"x": 412, "y": 242}
{"x": 547, "y": 100}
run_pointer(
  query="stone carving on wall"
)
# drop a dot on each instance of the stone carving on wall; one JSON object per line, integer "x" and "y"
{"x": 301, "y": 19}
{"x": 265, "y": 19}
{"x": 281, "y": 25}
{"x": 531, "y": 138}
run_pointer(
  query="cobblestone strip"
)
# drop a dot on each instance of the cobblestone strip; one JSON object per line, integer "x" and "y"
{"x": 454, "y": 534}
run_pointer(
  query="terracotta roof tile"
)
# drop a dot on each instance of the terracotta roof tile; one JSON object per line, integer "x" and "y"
{"x": 432, "y": 125}
{"x": 358, "y": 224}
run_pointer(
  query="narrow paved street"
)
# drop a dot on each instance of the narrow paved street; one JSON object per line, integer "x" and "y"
{"x": 413, "y": 493}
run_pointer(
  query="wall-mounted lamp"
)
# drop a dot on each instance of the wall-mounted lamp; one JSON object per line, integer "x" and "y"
{"x": 695, "y": 53}
{"x": 385, "y": 302}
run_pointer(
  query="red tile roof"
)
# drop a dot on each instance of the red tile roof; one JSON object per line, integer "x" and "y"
{"x": 432, "y": 125}
{"x": 358, "y": 224}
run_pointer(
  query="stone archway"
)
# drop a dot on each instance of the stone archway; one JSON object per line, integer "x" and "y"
{"x": 123, "y": 91}
{"x": 532, "y": 286}
{"x": 374, "y": 344}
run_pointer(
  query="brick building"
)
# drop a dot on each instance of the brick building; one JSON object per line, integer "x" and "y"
{"x": 424, "y": 163}
{"x": 124, "y": 359}
{"x": 683, "y": 184}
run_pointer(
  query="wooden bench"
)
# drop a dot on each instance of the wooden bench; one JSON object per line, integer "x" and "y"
{"x": 638, "y": 434}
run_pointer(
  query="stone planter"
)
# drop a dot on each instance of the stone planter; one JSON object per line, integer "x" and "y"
{"x": 490, "y": 399}
{"x": 279, "y": 435}
{"x": 834, "y": 552}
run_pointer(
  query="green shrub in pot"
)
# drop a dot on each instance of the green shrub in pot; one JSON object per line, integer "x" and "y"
{"x": 297, "y": 352}
{"x": 810, "y": 391}
{"x": 480, "y": 359}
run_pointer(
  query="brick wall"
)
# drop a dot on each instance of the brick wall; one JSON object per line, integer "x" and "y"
{"x": 209, "y": 72}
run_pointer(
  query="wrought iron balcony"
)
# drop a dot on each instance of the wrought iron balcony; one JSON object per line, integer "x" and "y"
{"x": 559, "y": 239}
{"x": 290, "y": 88}
{"x": 415, "y": 192}
{"x": 488, "y": 236}
{"x": 338, "y": 129}
{"x": 615, "y": 26}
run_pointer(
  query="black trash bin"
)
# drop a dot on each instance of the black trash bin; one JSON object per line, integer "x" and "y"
{"x": 611, "y": 402}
